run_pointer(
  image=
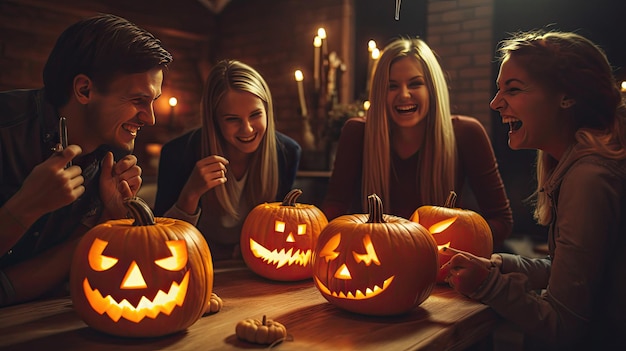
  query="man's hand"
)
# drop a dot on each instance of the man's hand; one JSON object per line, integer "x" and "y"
{"x": 118, "y": 180}
{"x": 49, "y": 186}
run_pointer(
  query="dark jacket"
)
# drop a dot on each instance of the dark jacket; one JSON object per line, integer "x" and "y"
{"x": 178, "y": 158}
{"x": 28, "y": 133}
{"x": 582, "y": 306}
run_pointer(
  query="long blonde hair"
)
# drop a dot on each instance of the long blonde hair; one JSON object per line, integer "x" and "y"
{"x": 262, "y": 179}
{"x": 437, "y": 156}
{"x": 571, "y": 63}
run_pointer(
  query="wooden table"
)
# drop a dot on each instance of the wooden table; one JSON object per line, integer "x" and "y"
{"x": 445, "y": 321}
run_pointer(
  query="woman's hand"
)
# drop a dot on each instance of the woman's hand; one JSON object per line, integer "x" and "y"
{"x": 208, "y": 173}
{"x": 465, "y": 272}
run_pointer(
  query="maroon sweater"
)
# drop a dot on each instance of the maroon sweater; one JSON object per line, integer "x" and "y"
{"x": 477, "y": 167}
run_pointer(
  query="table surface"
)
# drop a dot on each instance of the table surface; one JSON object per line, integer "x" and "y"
{"x": 444, "y": 321}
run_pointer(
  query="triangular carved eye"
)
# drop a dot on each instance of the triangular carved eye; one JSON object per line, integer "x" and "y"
{"x": 441, "y": 226}
{"x": 178, "y": 260}
{"x": 370, "y": 253}
{"x": 329, "y": 250}
{"x": 97, "y": 261}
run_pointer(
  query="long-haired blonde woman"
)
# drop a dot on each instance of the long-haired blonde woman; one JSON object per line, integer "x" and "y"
{"x": 214, "y": 175}
{"x": 410, "y": 151}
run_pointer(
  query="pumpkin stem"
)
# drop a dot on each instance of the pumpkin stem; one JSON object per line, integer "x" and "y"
{"x": 139, "y": 210}
{"x": 264, "y": 322}
{"x": 375, "y": 207}
{"x": 451, "y": 200}
{"x": 290, "y": 198}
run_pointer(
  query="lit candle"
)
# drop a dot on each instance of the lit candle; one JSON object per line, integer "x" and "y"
{"x": 366, "y": 105}
{"x": 321, "y": 32}
{"x": 371, "y": 45}
{"x": 375, "y": 54}
{"x": 317, "y": 43}
{"x": 299, "y": 79}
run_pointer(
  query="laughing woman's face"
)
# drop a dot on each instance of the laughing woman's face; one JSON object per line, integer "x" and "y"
{"x": 533, "y": 112}
{"x": 407, "y": 96}
{"x": 243, "y": 121}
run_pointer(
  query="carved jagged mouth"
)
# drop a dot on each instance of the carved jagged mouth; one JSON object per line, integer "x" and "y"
{"x": 358, "y": 294}
{"x": 282, "y": 257}
{"x": 162, "y": 302}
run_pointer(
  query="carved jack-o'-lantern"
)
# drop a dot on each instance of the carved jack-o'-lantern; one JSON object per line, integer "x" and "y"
{"x": 277, "y": 238}
{"x": 457, "y": 228}
{"x": 375, "y": 264}
{"x": 141, "y": 278}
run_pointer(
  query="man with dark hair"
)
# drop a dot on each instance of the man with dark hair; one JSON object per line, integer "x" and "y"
{"x": 101, "y": 79}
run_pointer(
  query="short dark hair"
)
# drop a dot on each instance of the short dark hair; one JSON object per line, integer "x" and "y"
{"x": 100, "y": 47}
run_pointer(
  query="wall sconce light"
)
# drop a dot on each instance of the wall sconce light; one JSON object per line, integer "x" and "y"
{"x": 172, "y": 102}
{"x": 623, "y": 86}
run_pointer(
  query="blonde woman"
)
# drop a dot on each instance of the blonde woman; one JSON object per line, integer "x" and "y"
{"x": 410, "y": 151}
{"x": 213, "y": 176}
{"x": 557, "y": 93}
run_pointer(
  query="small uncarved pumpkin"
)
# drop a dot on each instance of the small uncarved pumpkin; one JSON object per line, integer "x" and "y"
{"x": 277, "y": 239}
{"x": 458, "y": 228}
{"x": 265, "y": 331}
{"x": 375, "y": 264}
{"x": 215, "y": 305}
{"x": 141, "y": 277}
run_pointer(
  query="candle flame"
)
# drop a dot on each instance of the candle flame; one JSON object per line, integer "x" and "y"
{"x": 375, "y": 53}
{"x": 173, "y": 101}
{"x": 371, "y": 45}
{"x": 317, "y": 41}
{"x": 321, "y": 32}
{"x": 299, "y": 76}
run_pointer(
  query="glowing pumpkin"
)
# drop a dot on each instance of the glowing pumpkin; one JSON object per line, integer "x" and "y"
{"x": 277, "y": 239}
{"x": 141, "y": 277}
{"x": 457, "y": 228}
{"x": 375, "y": 264}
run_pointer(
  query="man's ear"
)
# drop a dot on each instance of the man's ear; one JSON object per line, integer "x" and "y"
{"x": 82, "y": 88}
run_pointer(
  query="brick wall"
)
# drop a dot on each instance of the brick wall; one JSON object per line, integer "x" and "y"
{"x": 276, "y": 38}
{"x": 29, "y": 29}
{"x": 460, "y": 32}
{"x": 273, "y": 36}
